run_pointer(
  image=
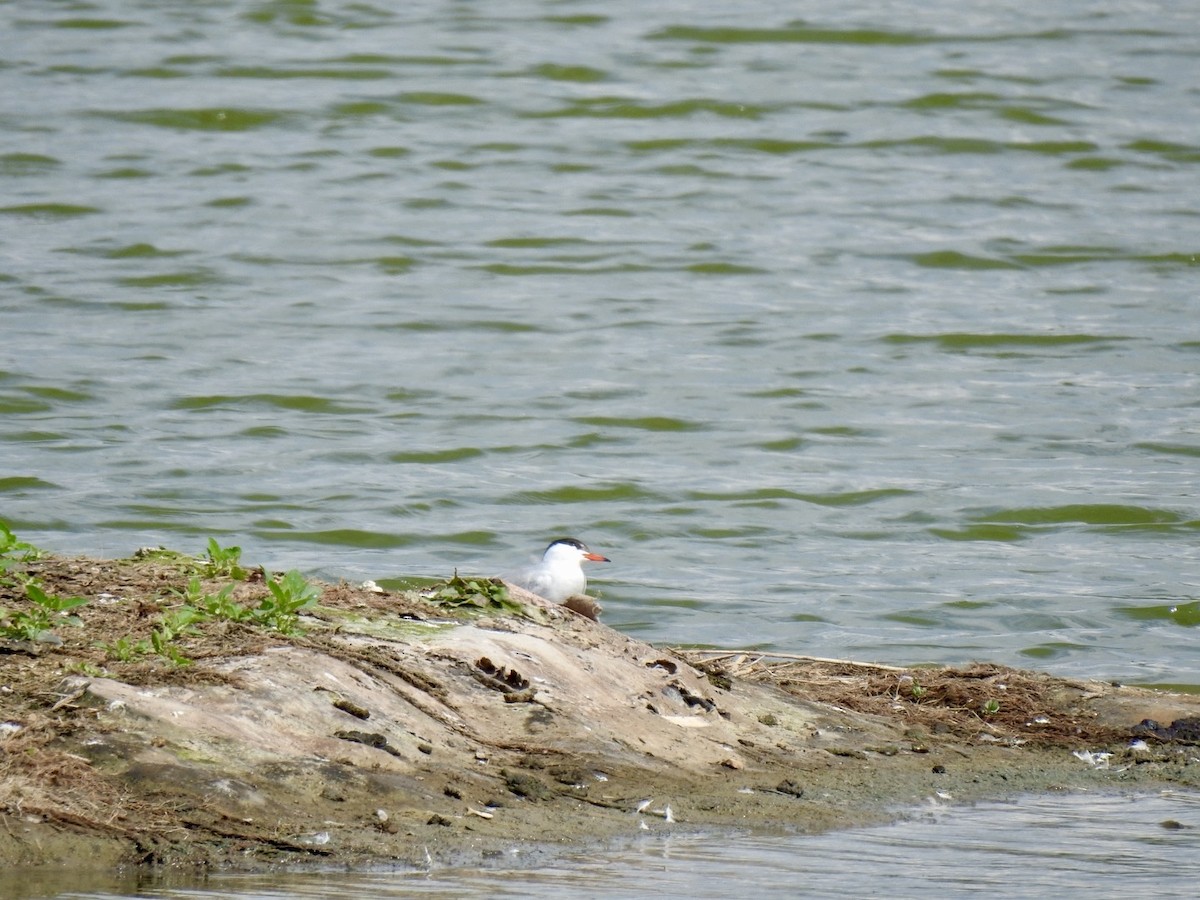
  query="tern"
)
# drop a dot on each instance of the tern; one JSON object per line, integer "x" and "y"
{"x": 559, "y": 575}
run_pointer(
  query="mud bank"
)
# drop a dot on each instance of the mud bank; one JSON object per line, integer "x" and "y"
{"x": 399, "y": 730}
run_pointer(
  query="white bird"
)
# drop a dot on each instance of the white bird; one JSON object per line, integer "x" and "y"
{"x": 559, "y": 575}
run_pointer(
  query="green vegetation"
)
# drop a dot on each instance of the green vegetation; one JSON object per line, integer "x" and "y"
{"x": 223, "y": 561}
{"x": 13, "y": 552}
{"x": 195, "y": 594}
{"x": 45, "y": 611}
{"x": 217, "y": 561}
{"x": 290, "y": 595}
{"x": 287, "y": 596}
{"x": 38, "y": 622}
{"x": 172, "y": 626}
{"x": 125, "y": 650}
{"x": 476, "y": 593}
{"x": 213, "y": 606}
{"x": 279, "y": 611}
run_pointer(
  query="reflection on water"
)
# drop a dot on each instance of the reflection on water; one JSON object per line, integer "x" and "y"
{"x": 1104, "y": 846}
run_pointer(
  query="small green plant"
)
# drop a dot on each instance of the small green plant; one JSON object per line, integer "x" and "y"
{"x": 87, "y": 669}
{"x": 192, "y": 595}
{"x": 290, "y": 595}
{"x": 178, "y": 622}
{"x": 223, "y": 561}
{"x": 39, "y": 621}
{"x": 172, "y": 626}
{"x": 279, "y": 610}
{"x": 163, "y": 638}
{"x": 125, "y": 650}
{"x": 221, "y": 605}
{"x": 161, "y": 553}
{"x": 478, "y": 593}
{"x": 211, "y": 606}
{"x": 13, "y": 552}
{"x": 990, "y": 707}
{"x": 15, "y": 579}
{"x": 168, "y": 650}
{"x": 11, "y": 546}
{"x": 918, "y": 692}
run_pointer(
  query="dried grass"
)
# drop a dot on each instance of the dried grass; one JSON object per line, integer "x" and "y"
{"x": 976, "y": 701}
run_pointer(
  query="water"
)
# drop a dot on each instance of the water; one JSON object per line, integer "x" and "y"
{"x": 1106, "y": 846}
{"x": 864, "y": 332}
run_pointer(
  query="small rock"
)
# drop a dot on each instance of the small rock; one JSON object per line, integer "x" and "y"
{"x": 348, "y": 706}
{"x": 791, "y": 788}
{"x": 568, "y": 775}
{"x": 436, "y": 819}
{"x": 1182, "y": 730}
{"x": 371, "y": 739}
{"x": 733, "y": 763}
{"x": 527, "y": 786}
{"x": 720, "y": 680}
{"x": 846, "y": 751}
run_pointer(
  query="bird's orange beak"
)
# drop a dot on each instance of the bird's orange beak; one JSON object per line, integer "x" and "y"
{"x": 596, "y": 557}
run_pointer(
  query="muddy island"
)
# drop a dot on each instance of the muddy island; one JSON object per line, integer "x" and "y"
{"x": 169, "y": 710}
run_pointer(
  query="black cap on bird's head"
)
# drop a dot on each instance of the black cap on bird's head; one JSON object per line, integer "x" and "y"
{"x": 578, "y": 545}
